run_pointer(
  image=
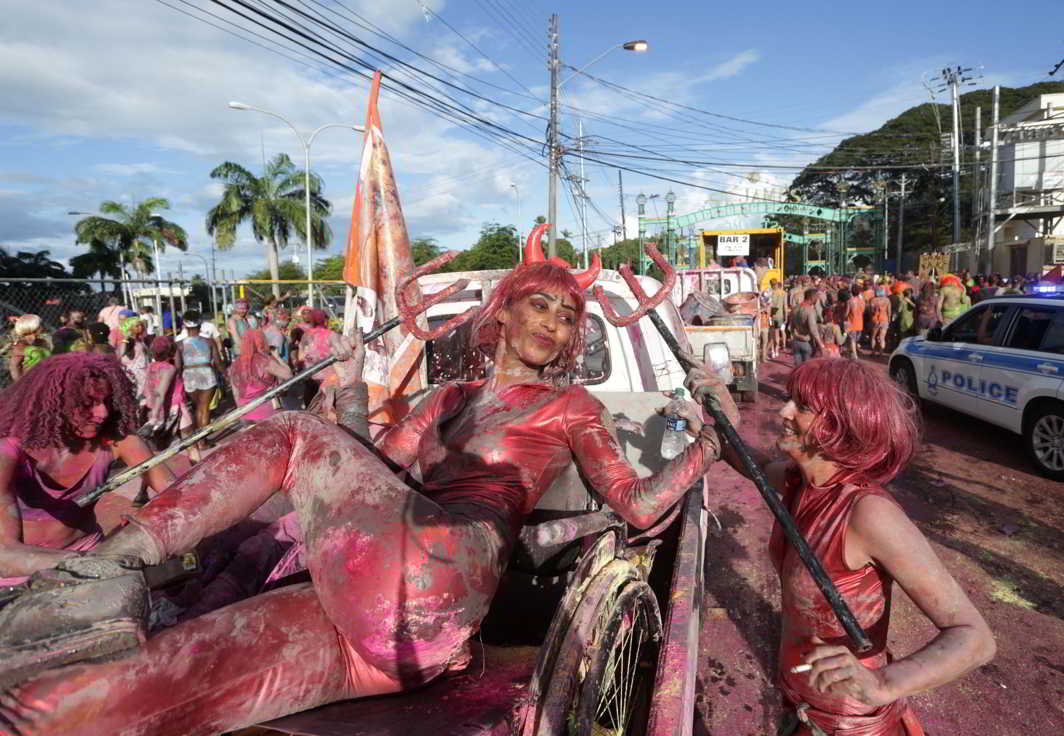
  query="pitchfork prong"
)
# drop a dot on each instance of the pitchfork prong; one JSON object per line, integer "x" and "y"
{"x": 409, "y": 312}
{"x": 645, "y": 303}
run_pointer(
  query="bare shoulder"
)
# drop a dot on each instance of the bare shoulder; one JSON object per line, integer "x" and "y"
{"x": 883, "y": 530}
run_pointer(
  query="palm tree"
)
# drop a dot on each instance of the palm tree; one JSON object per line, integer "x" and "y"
{"x": 273, "y": 203}
{"x": 128, "y": 238}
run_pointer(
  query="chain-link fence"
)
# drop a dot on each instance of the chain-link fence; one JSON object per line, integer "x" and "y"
{"x": 54, "y": 299}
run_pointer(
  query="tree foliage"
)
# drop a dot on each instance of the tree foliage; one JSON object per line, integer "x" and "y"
{"x": 913, "y": 139}
{"x": 127, "y": 238}
{"x": 273, "y": 204}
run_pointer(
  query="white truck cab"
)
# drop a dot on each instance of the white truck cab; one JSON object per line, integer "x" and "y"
{"x": 1001, "y": 361}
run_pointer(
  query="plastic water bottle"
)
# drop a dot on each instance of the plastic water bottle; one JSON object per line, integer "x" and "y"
{"x": 674, "y": 440}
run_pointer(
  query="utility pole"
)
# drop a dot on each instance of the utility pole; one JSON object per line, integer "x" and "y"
{"x": 641, "y": 203}
{"x": 992, "y": 203}
{"x": 901, "y": 223}
{"x": 583, "y": 194}
{"x": 553, "y": 154}
{"x": 977, "y": 214}
{"x": 953, "y": 77}
{"x": 956, "y": 161}
{"x": 620, "y": 190}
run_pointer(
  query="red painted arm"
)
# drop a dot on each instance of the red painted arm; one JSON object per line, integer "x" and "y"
{"x": 598, "y": 453}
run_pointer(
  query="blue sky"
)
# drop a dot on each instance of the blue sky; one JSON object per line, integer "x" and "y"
{"x": 126, "y": 99}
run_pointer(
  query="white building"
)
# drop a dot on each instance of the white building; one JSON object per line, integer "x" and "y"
{"x": 1029, "y": 207}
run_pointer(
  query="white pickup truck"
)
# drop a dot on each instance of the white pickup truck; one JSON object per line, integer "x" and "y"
{"x": 735, "y": 333}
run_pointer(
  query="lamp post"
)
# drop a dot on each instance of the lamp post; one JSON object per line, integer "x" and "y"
{"x": 641, "y": 203}
{"x": 844, "y": 187}
{"x": 670, "y": 200}
{"x": 517, "y": 202}
{"x": 554, "y": 64}
{"x": 306, "y": 142}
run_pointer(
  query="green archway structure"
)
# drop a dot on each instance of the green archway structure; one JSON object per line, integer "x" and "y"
{"x": 717, "y": 212}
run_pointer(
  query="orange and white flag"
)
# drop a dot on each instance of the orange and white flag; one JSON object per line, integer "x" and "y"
{"x": 378, "y": 254}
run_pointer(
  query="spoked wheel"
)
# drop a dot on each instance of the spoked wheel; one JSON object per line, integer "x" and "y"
{"x": 614, "y": 697}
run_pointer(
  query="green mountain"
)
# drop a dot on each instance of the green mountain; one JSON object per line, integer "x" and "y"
{"x": 913, "y": 139}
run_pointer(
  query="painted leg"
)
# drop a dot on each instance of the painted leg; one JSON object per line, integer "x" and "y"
{"x": 256, "y": 660}
{"x": 406, "y": 581}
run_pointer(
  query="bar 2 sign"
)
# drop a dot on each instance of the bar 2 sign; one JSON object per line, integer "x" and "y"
{"x": 733, "y": 245}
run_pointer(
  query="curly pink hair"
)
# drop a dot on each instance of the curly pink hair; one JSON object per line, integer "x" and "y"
{"x": 865, "y": 424}
{"x": 528, "y": 278}
{"x": 36, "y": 409}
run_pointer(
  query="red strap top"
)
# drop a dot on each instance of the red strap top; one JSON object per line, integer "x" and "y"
{"x": 823, "y": 515}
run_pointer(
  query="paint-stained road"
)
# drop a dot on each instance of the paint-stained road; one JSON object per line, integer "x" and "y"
{"x": 997, "y": 525}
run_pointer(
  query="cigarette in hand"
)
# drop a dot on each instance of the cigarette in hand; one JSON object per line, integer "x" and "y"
{"x": 801, "y": 668}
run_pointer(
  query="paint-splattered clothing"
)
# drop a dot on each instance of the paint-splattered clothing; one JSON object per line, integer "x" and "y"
{"x": 401, "y": 579}
{"x": 42, "y": 505}
{"x": 822, "y": 516}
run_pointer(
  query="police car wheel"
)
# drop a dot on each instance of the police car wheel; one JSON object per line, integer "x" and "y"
{"x": 1045, "y": 440}
{"x": 903, "y": 374}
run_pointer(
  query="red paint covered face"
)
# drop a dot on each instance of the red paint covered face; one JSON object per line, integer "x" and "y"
{"x": 537, "y": 327}
{"x": 794, "y": 438}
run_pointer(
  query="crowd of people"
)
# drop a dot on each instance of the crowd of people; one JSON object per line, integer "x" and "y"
{"x": 183, "y": 370}
{"x": 829, "y": 316}
{"x": 406, "y": 535}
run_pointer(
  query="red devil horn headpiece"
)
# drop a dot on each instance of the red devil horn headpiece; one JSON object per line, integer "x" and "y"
{"x": 533, "y": 251}
{"x": 534, "y": 254}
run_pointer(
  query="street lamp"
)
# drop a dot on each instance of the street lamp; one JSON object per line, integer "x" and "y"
{"x": 843, "y": 188}
{"x": 306, "y": 142}
{"x": 670, "y": 200}
{"x": 554, "y": 64}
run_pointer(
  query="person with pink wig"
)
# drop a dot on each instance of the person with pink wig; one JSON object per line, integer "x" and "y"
{"x": 61, "y": 427}
{"x": 845, "y": 432}
{"x": 254, "y": 373}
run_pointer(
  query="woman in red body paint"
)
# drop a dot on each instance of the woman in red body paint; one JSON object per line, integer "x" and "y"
{"x": 401, "y": 578}
{"x": 840, "y": 452}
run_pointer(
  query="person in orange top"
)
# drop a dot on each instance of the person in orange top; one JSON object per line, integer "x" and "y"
{"x": 880, "y": 308}
{"x": 855, "y": 309}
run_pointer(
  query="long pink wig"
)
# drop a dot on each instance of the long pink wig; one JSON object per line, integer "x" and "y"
{"x": 529, "y": 278}
{"x": 865, "y": 424}
{"x": 36, "y": 408}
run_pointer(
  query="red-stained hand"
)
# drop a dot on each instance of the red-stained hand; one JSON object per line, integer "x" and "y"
{"x": 352, "y": 356}
{"x": 837, "y": 671}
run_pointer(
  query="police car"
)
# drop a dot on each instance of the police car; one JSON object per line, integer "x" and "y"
{"x": 1001, "y": 361}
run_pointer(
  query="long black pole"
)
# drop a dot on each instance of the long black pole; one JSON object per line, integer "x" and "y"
{"x": 220, "y": 423}
{"x": 790, "y": 529}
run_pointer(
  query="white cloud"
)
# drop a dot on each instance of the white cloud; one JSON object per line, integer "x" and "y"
{"x": 732, "y": 66}
{"x": 130, "y": 169}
